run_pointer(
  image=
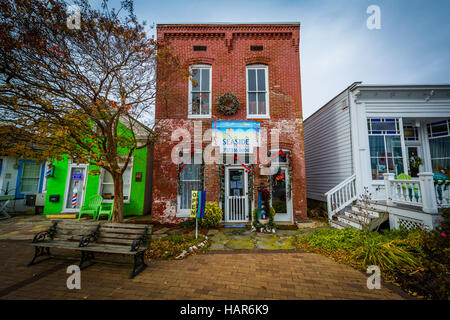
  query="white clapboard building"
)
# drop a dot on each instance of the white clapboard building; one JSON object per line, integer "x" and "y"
{"x": 391, "y": 140}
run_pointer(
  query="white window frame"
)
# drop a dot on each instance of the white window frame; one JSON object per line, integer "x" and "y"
{"x": 256, "y": 67}
{"x": 199, "y": 116}
{"x": 185, "y": 213}
{"x": 100, "y": 182}
{"x": 402, "y": 144}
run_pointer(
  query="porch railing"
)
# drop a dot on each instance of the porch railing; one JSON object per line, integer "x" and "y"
{"x": 443, "y": 195}
{"x": 341, "y": 196}
{"x": 421, "y": 193}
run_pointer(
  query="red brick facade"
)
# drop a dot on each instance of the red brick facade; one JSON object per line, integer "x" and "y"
{"x": 228, "y": 52}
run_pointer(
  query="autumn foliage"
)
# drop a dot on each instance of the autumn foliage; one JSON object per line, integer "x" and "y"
{"x": 87, "y": 93}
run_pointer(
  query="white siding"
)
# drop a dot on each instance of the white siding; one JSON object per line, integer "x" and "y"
{"x": 328, "y": 147}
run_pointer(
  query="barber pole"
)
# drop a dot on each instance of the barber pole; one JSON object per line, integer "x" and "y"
{"x": 48, "y": 172}
{"x": 74, "y": 196}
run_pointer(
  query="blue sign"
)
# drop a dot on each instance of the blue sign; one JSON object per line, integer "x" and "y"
{"x": 77, "y": 176}
{"x": 235, "y": 136}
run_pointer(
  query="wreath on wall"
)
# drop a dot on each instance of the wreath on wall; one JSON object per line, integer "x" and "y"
{"x": 228, "y": 104}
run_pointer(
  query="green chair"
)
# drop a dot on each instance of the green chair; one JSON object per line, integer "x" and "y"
{"x": 106, "y": 209}
{"x": 91, "y": 207}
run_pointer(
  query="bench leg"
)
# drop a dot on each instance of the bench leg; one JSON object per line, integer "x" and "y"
{"x": 86, "y": 256}
{"x": 139, "y": 264}
{"x": 39, "y": 252}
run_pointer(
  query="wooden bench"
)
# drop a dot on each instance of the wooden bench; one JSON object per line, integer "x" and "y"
{"x": 89, "y": 237}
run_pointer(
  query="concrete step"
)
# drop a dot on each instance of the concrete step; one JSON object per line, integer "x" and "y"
{"x": 339, "y": 225}
{"x": 359, "y": 216}
{"x": 371, "y": 211}
{"x": 350, "y": 221}
{"x": 62, "y": 216}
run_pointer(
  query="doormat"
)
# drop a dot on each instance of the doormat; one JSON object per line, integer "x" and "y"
{"x": 235, "y": 226}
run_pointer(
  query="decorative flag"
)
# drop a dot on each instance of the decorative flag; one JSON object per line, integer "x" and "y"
{"x": 199, "y": 204}
{"x": 194, "y": 200}
{"x": 203, "y": 204}
{"x": 259, "y": 205}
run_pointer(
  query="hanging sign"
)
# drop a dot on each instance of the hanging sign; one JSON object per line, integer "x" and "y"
{"x": 77, "y": 175}
{"x": 235, "y": 136}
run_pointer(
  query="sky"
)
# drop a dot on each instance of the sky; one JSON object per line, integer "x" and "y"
{"x": 336, "y": 46}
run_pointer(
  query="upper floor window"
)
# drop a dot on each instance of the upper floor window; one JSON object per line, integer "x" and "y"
{"x": 200, "y": 92}
{"x": 410, "y": 133}
{"x": 439, "y": 129}
{"x": 257, "y": 92}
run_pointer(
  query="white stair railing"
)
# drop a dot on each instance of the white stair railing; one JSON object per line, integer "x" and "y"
{"x": 341, "y": 196}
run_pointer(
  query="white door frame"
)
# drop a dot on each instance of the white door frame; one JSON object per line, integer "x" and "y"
{"x": 288, "y": 217}
{"x": 227, "y": 190}
{"x": 82, "y": 194}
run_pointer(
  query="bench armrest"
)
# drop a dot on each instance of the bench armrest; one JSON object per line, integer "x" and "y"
{"x": 140, "y": 241}
{"x": 42, "y": 235}
{"x": 91, "y": 237}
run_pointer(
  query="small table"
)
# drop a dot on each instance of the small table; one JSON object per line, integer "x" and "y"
{"x": 4, "y": 200}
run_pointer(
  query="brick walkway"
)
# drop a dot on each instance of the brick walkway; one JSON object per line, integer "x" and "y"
{"x": 225, "y": 275}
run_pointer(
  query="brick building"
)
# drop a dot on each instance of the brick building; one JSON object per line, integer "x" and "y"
{"x": 260, "y": 65}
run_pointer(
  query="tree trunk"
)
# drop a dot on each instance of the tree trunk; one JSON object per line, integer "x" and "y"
{"x": 117, "y": 215}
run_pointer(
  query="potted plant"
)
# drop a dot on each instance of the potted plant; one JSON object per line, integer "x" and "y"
{"x": 414, "y": 163}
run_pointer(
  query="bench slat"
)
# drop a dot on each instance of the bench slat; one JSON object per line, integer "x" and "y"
{"x": 115, "y": 240}
{"x": 104, "y": 224}
{"x": 120, "y": 230}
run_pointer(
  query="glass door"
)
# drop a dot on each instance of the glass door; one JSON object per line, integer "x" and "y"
{"x": 280, "y": 200}
{"x": 75, "y": 188}
{"x": 236, "y": 196}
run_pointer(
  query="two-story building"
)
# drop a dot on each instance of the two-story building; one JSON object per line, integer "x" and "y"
{"x": 238, "y": 124}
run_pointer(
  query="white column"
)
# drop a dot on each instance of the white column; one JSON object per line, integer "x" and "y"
{"x": 387, "y": 185}
{"x": 429, "y": 204}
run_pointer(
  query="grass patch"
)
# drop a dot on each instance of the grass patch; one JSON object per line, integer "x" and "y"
{"x": 171, "y": 246}
{"x": 416, "y": 260}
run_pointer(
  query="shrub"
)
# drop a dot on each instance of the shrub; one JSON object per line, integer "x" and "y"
{"x": 415, "y": 259}
{"x": 213, "y": 215}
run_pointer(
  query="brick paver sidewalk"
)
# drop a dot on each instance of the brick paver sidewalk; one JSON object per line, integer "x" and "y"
{"x": 243, "y": 275}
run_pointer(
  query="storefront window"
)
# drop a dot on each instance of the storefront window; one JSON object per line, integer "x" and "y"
{"x": 385, "y": 147}
{"x": 107, "y": 184}
{"x": 29, "y": 183}
{"x": 439, "y": 140}
{"x": 189, "y": 180}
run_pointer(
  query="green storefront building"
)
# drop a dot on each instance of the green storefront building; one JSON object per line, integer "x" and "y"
{"x": 70, "y": 184}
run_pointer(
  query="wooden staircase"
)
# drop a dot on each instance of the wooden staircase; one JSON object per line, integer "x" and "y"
{"x": 359, "y": 216}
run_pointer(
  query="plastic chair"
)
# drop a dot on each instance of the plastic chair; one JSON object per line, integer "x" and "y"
{"x": 106, "y": 209}
{"x": 92, "y": 207}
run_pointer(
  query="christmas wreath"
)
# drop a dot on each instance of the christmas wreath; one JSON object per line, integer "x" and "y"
{"x": 228, "y": 104}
